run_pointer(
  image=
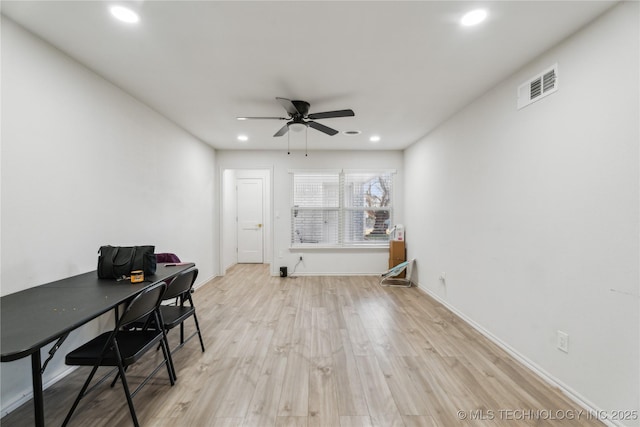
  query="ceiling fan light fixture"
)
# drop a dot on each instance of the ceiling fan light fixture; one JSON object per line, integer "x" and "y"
{"x": 297, "y": 127}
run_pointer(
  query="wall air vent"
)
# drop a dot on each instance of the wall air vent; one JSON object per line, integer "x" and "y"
{"x": 538, "y": 87}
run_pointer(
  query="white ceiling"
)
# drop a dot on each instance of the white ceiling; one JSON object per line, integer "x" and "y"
{"x": 403, "y": 67}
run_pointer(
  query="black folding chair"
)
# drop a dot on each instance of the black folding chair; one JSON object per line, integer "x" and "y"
{"x": 122, "y": 347}
{"x": 175, "y": 314}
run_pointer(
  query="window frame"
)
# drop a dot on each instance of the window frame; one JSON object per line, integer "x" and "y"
{"x": 342, "y": 210}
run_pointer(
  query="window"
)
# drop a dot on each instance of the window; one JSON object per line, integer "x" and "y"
{"x": 341, "y": 208}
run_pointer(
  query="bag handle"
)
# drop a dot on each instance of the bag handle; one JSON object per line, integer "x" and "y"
{"x": 129, "y": 261}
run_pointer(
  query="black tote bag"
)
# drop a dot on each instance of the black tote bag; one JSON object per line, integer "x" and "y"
{"x": 114, "y": 262}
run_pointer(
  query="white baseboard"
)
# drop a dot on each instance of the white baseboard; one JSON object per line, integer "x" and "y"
{"x": 204, "y": 282}
{"x": 306, "y": 273}
{"x": 12, "y": 406}
{"x": 539, "y": 371}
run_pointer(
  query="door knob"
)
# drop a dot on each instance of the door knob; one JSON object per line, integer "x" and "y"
{"x": 259, "y": 225}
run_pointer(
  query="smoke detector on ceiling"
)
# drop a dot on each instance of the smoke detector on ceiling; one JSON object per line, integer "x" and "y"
{"x": 538, "y": 87}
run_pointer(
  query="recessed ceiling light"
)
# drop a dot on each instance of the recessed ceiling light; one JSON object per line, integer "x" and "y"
{"x": 243, "y": 138}
{"x": 374, "y": 138}
{"x": 474, "y": 17}
{"x": 352, "y": 132}
{"x": 124, "y": 14}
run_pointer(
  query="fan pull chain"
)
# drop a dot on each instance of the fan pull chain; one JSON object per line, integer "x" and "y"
{"x": 288, "y": 143}
{"x": 306, "y": 134}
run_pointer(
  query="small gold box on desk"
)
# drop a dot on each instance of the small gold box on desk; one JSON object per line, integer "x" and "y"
{"x": 137, "y": 276}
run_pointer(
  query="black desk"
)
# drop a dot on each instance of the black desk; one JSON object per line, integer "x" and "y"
{"x": 35, "y": 317}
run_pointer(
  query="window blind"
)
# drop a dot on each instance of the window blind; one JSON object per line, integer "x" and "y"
{"x": 341, "y": 208}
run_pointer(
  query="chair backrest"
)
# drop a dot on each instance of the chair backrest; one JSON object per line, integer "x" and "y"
{"x": 143, "y": 304}
{"x": 181, "y": 283}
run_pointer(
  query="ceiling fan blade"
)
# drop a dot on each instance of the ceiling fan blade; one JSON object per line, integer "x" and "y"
{"x": 331, "y": 114}
{"x": 262, "y": 118}
{"x": 283, "y": 130}
{"x": 322, "y": 128}
{"x": 288, "y": 106}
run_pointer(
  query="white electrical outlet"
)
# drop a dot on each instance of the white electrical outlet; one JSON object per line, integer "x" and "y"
{"x": 562, "y": 339}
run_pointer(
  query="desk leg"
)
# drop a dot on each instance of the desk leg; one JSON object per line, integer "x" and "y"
{"x": 38, "y": 400}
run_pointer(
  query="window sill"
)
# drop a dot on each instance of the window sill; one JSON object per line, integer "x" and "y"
{"x": 312, "y": 247}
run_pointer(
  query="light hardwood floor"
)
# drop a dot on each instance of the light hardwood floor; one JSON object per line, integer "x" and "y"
{"x": 321, "y": 351}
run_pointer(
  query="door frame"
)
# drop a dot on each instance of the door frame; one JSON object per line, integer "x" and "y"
{"x": 228, "y": 255}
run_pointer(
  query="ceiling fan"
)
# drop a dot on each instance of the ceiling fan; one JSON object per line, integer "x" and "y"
{"x": 299, "y": 117}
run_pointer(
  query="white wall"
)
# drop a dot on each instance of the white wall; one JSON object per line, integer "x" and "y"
{"x": 83, "y": 165}
{"x": 534, "y": 214}
{"x": 316, "y": 261}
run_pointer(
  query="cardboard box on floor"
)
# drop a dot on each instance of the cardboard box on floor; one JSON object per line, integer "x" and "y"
{"x": 397, "y": 254}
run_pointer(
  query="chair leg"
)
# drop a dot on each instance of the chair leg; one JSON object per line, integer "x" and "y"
{"x": 128, "y": 394}
{"x": 164, "y": 342}
{"x": 80, "y": 395}
{"x": 125, "y": 386}
{"x": 168, "y": 360}
{"x": 117, "y": 376}
{"x": 167, "y": 357}
{"x": 195, "y": 318}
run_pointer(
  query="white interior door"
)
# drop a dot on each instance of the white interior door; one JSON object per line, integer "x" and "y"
{"x": 250, "y": 220}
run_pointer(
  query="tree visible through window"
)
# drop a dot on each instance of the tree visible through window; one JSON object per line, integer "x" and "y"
{"x": 377, "y": 195}
{"x": 341, "y": 208}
